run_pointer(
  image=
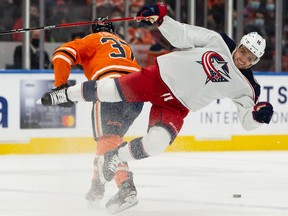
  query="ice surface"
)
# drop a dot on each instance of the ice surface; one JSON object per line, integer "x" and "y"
{"x": 186, "y": 184}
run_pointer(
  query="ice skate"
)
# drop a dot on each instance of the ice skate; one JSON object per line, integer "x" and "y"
{"x": 55, "y": 98}
{"x": 107, "y": 165}
{"x": 95, "y": 194}
{"x": 125, "y": 198}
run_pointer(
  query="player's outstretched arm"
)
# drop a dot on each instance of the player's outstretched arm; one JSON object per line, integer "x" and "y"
{"x": 253, "y": 115}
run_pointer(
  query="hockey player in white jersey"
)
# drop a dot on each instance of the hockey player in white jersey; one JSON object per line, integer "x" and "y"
{"x": 209, "y": 67}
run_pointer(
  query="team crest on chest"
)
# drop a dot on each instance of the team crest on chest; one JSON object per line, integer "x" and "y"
{"x": 215, "y": 67}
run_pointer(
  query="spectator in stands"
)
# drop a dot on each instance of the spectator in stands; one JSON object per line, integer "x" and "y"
{"x": 34, "y": 53}
{"x": 160, "y": 42}
{"x": 34, "y": 21}
{"x": 59, "y": 16}
{"x": 266, "y": 63}
{"x": 234, "y": 23}
{"x": 119, "y": 26}
{"x": 218, "y": 13}
{"x": 135, "y": 5}
{"x": 104, "y": 7}
{"x": 211, "y": 24}
{"x": 140, "y": 35}
{"x": 8, "y": 10}
{"x": 249, "y": 9}
{"x": 159, "y": 47}
{"x": 271, "y": 58}
{"x": 257, "y": 24}
{"x": 270, "y": 13}
{"x": 79, "y": 12}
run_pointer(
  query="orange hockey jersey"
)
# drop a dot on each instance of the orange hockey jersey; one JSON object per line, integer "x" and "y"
{"x": 101, "y": 55}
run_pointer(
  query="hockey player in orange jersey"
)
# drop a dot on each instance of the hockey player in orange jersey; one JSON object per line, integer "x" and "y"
{"x": 103, "y": 54}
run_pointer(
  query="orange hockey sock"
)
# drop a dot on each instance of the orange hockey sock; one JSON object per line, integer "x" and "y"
{"x": 107, "y": 143}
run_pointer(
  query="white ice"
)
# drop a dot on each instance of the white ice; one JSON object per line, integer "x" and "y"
{"x": 182, "y": 184}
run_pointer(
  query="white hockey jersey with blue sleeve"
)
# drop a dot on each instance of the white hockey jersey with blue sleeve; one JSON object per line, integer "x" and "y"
{"x": 204, "y": 70}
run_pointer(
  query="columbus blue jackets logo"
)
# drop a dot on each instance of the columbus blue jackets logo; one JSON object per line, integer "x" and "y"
{"x": 215, "y": 67}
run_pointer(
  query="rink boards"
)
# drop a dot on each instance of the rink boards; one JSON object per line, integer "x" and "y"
{"x": 181, "y": 144}
{"x": 26, "y": 127}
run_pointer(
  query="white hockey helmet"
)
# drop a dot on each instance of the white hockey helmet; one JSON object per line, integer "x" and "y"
{"x": 255, "y": 43}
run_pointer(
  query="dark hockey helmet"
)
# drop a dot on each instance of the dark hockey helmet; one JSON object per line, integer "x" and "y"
{"x": 105, "y": 26}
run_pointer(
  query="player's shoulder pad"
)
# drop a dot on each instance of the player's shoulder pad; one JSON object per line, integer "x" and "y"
{"x": 229, "y": 42}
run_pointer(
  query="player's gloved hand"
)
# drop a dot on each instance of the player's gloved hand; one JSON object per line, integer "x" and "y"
{"x": 154, "y": 13}
{"x": 69, "y": 104}
{"x": 263, "y": 112}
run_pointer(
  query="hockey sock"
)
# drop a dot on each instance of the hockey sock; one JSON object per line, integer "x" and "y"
{"x": 121, "y": 174}
{"x": 74, "y": 93}
{"x": 107, "y": 143}
{"x": 133, "y": 150}
{"x": 89, "y": 90}
{"x": 85, "y": 91}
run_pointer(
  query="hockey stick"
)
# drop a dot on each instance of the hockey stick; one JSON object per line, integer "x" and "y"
{"x": 66, "y": 25}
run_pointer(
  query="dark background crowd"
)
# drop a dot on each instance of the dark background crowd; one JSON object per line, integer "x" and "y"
{"x": 258, "y": 15}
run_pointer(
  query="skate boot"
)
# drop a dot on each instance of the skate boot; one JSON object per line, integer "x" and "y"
{"x": 55, "y": 98}
{"x": 107, "y": 165}
{"x": 125, "y": 198}
{"x": 95, "y": 194}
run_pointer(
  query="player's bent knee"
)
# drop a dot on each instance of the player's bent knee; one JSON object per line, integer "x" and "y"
{"x": 156, "y": 141}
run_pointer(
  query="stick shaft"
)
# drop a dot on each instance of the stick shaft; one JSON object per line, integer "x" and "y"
{"x": 66, "y": 25}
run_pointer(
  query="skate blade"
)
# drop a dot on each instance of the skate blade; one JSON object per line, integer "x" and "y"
{"x": 114, "y": 209}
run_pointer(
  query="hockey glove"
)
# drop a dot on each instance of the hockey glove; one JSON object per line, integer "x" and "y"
{"x": 69, "y": 104}
{"x": 154, "y": 13}
{"x": 263, "y": 112}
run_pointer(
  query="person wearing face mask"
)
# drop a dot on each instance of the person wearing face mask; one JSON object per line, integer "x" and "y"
{"x": 249, "y": 9}
{"x": 257, "y": 24}
{"x": 270, "y": 5}
{"x": 270, "y": 11}
{"x": 34, "y": 53}
{"x": 255, "y": 4}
